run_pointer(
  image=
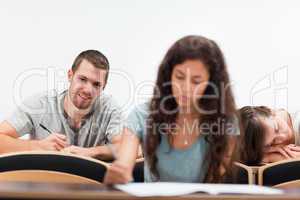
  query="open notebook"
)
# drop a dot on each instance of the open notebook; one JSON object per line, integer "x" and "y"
{"x": 174, "y": 189}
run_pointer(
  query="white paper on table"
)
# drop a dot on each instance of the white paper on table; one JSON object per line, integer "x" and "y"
{"x": 174, "y": 189}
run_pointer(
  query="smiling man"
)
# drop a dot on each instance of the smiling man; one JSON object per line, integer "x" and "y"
{"x": 80, "y": 120}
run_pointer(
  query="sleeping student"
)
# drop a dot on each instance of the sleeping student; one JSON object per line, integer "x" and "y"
{"x": 188, "y": 129}
{"x": 269, "y": 135}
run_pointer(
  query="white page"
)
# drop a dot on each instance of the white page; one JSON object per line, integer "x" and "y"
{"x": 174, "y": 189}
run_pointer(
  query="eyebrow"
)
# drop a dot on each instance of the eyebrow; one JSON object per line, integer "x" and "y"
{"x": 179, "y": 71}
{"x": 82, "y": 76}
{"x": 193, "y": 77}
{"x": 97, "y": 82}
{"x": 93, "y": 82}
{"x": 197, "y": 77}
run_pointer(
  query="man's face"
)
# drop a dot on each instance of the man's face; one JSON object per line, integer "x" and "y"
{"x": 86, "y": 84}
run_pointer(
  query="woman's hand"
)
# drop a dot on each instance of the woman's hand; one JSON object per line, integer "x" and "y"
{"x": 118, "y": 173}
{"x": 279, "y": 153}
{"x": 292, "y": 150}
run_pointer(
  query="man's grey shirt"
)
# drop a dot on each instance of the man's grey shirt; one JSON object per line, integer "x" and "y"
{"x": 100, "y": 125}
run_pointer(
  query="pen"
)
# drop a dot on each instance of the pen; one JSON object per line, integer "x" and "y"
{"x": 41, "y": 125}
{"x": 50, "y": 132}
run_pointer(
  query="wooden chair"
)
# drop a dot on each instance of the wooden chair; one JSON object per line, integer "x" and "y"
{"x": 245, "y": 174}
{"x": 138, "y": 171}
{"x": 44, "y": 176}
{"x": 280, "y": 174}
{"x": 55, "y": 162}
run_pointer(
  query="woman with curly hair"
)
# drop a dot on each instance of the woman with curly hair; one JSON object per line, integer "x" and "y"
{"x": 188, "y": 128}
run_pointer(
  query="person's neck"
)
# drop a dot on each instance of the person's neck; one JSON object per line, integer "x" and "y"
{"x": 188, "y": 121}
{"x": 188, "y": 115}
{"x": 74, "y": 114}
{"x": 186, "y": 130}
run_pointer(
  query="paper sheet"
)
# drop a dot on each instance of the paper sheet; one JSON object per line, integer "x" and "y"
{"x": 175, "y": 189}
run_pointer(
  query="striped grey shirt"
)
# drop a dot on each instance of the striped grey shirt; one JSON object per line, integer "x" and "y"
{"x": 104, "y": 121}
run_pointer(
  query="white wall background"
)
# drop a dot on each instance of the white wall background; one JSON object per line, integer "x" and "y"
{"x": 40, "y": 39}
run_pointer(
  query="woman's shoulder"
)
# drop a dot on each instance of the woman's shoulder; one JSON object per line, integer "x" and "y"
{"x": 141, "y": 109}
{"x": 293, "y": 121}
{"x": 296, "y": 126}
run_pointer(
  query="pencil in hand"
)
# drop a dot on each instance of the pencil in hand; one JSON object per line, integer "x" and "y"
{"x": 46, "y": 129}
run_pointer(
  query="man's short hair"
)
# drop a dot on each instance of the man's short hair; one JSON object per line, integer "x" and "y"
{"x": 96, "y": 58}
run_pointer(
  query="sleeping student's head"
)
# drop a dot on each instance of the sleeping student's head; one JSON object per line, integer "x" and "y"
{"x": 265, "y": 130}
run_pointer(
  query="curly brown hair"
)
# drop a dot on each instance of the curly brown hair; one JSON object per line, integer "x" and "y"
{"x": 208, "y": 52}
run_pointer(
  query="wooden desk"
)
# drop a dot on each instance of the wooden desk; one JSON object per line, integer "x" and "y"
{"x": 27, "y": 190}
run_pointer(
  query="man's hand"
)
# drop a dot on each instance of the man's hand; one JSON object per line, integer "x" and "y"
{"x": 54, "y": 142}
{"x": 79, "y": 151}
{"x": 118, "y": 173}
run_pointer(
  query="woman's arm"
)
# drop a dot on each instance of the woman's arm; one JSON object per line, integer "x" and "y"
{"x": 121, "y": 169}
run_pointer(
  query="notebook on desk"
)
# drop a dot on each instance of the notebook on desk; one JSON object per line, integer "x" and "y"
{"x": 175, "y": 189}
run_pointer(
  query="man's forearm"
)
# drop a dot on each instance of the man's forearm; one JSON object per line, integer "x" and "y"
{"x": 9, "y": 144}
{"x": 104, "y": 152}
